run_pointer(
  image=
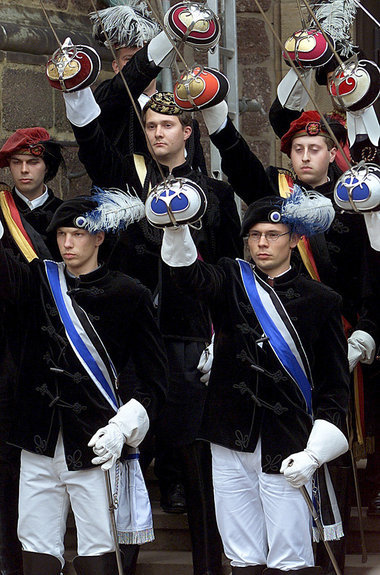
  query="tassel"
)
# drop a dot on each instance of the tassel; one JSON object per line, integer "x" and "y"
{"x": 116, "y": 210}
{"x": 307, "y": 212}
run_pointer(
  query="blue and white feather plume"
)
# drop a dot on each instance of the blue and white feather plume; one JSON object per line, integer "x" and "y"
{"x": 116, "y": 210}
{"x": 307, "y": 212}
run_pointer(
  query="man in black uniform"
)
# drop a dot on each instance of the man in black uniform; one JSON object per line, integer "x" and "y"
{"x": 25, "y": 212}
{"x": 338, "y": 257}
{"x": 272, "y": 407}
{"x": 81, "y": 323}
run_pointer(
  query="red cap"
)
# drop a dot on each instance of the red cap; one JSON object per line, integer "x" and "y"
{"x": 26, "y": 140}
{"x": 308, "y": 124}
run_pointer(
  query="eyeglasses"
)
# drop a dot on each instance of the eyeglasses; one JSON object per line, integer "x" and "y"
{"x": 269, "y": 236}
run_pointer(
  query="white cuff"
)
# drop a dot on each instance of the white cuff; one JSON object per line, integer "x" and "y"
{"x": 133, "y": 421}
{"x": 290, "y": 91}
{"x": 215, "y": 116}
{"x": 81, "y": 107}
{"x": 160, "y": 50}
{"x": 363, "y": 122}
{"x": 178, "y": 248}
{"x": 326, "y": 442}
{"x": 1, "y": 230}
{"x": 372, "y": 222}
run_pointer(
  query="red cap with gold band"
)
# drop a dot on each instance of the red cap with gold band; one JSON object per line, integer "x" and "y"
{"x": 308, "y": 124}
{"x": 24, "y": 141}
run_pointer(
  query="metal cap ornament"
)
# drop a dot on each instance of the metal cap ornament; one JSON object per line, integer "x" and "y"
{"x": 193, "y": 23}
{"x": 200, "y": 88}
{"x": 355, "y": 84}
{"x": 358, "y": 189}
{"x": 73, "y": 68}
{"x": 175, "y": 202}
{"x": 308, "y": 48}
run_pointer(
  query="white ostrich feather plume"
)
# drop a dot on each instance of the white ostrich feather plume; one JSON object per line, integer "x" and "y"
{"x": 116, "y": 210}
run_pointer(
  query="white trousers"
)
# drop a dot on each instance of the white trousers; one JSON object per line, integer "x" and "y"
{"x": 262, "y": 519}
{"x": 47, "y": 489}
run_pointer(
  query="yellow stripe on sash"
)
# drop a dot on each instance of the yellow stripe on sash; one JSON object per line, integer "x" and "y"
{"x": 16, "y": 233}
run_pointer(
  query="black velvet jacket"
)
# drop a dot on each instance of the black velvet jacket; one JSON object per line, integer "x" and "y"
{"x": 244, "y": 403}
{"x": 340, "y": 254}
{"x": 138, "y": 249}
{"x": 53, "y": 390}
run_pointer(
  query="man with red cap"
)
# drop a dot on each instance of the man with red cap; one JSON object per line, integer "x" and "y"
{"x": 338, "y": 257}
{"x": 25, "y": 212}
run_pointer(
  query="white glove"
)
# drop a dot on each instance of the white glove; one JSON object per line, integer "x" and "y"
{"x": 205, "y": 361}
{"x": 178, "y": 248}
{"x": 372, "y": 222}
{"x": 290, "y": 91}
{"x": 361, "y": 347}
{"x": 215, "y": 117}
{"x": 1, "y": 230}
{"x": 161, "y": 51}
{"x": 326, "y": 442}
{"x": 129, "y": 426}
{"x": 81, "y": 107}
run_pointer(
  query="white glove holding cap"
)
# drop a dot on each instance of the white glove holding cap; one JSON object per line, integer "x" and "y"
{"x": 326, "y": 442}
{"x": 361, "y": 347}
{"x": 129, "y": 425}
{"x": 81, "y": 107}
{"x": 178, "y": 248}
{"x": 205, "y": 361}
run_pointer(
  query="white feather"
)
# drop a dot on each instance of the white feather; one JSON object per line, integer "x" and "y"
{"x": 307, "y": 212}
{"x": 130, "y": 24}
{"x": 116, "y": 210}
{"x": 336, "y": 17}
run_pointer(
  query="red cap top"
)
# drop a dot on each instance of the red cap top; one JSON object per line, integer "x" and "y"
{"x": 308, "y": 124}
{"x": 27, "y": 140}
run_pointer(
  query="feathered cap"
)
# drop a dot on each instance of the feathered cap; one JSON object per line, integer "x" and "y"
{"x": 123, "y": 26}
{"x": 107, "y": 210}
{"x": 305, "y": 212}
{"x": 309, "y": 124}
{"x": 335, "y": 18}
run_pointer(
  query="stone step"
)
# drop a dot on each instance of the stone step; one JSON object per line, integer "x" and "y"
{"x": 168, "y": 563}
{"x": 371, "y": 527}
{"x": 354, "y": 565}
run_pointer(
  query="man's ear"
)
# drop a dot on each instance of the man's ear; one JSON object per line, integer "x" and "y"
{"x": 99, "y": 238}
{"x": 294, "y": 239}
{"x": 115, "y": 66}
{"x": 333, "y": 153}
{"x": 187, "y": 131}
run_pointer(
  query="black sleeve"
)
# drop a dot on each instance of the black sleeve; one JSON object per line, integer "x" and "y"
{"x": 243, "y": 169}
{"x": 148, "y": 384}
{"x": 103, "y": 162}
{"x": 280, "y": 118}
{"x": 112, "y": 95}
{"x": 17, "y": 284}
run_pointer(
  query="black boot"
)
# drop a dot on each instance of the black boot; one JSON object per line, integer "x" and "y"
{"x": 40, "y": 563}
{"x": 105, "y": 564}
{"x": 129, "y": 555}
{"x": 303, "y": 571}
{"x": 250, "y": 570}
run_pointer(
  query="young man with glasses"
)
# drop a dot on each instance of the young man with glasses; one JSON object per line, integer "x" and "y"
{"x": 274, "y": 413}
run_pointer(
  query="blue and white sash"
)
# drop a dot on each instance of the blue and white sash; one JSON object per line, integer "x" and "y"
{"x": 277, "y": 326}
{"x": 86, "y": 343}
{"x": 133, "y": 514}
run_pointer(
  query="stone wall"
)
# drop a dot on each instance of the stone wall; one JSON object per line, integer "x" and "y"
{"x": 26, "y": 42}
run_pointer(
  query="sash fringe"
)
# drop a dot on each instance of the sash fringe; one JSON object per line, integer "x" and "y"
{"x": 136, "y": 537}
{"x": 331, "y": 532}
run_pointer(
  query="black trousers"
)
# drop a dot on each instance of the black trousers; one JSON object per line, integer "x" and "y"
{"x": 10, "y": 547}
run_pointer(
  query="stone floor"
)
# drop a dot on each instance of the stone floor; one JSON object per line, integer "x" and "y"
{"x": 354, "y": 565}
